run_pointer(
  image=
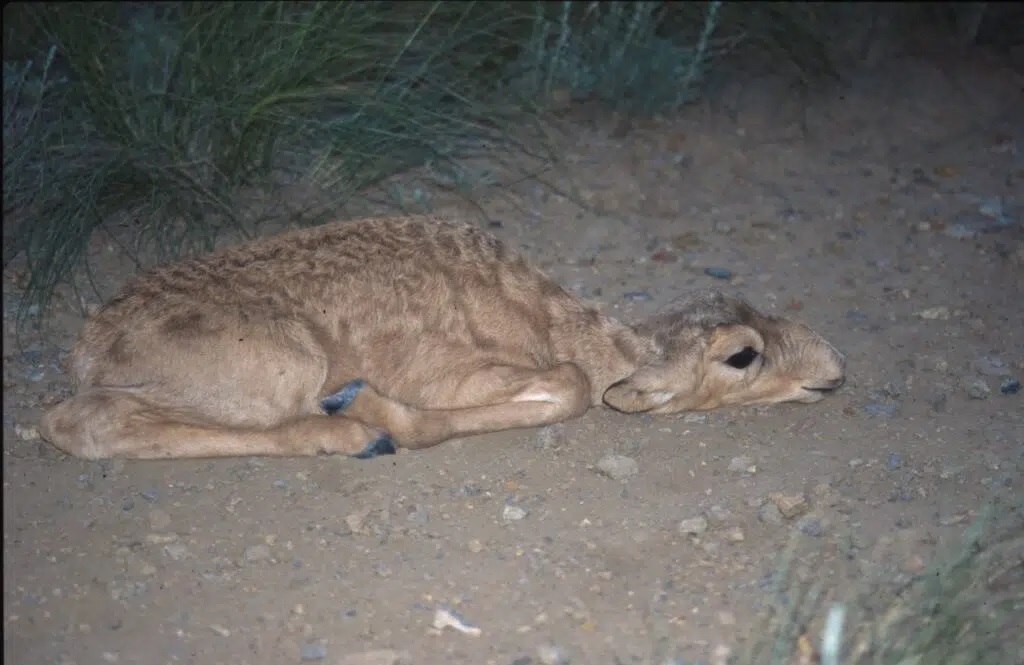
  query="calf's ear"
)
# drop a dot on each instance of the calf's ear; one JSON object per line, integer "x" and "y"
{"x": 642, "y": 391}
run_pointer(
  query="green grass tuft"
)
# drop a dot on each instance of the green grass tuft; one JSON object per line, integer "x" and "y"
{"x": 158, "y": 122}
{"x": 965, "y": 609}
{"x": 149, "y": 120}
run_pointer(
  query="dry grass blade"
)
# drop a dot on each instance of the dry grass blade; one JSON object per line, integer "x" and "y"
{"x": 964, "y": 610}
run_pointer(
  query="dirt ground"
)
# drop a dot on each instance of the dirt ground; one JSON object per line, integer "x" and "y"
{"x": 888, "y": 215}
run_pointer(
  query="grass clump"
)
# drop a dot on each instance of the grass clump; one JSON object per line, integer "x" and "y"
{"x": 620, "y": 53}
{"x": 168, "y": 111}
{"x": 151, "y": 120}
{"x": 965, "y": 609}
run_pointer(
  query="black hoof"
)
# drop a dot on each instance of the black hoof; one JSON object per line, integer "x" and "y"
{"x": 382, "y": 445}
{"x": 341, "y": 400}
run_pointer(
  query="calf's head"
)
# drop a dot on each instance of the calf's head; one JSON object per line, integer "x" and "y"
{"x": 712, "y": 350}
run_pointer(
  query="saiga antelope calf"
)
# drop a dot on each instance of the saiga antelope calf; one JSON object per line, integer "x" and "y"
{"x": 357, "y": 337}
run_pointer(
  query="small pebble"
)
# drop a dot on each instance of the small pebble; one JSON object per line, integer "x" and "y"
{"x": 895, "y": 461}
{"x": 769, "y": 514}
{"x": 790, "y": 505}
{"x": 176, "y": 551}
{"x": 637, "y": 296}
{"x": 513, "y": 513}
{"x": 313, "y": 652}
{"x": 940, "y": 313}
{"x": 810, "y": 527}
{"x": 418, "y": 514}
{"x": 992, "y": 366}
{"x": 617, "y": 467}
{"x": 742, "y": 464}
{"x": 718, "y": 273}
{"x": 950, "y": 471}
{"x": 856, "y": 317}
{"x": 548, "y": 654}
{"x": 26, "y": 433}
{"x": 719, "y": 515}
{"x": 551, "y": 437}
{"x": 892, "y": 390}
{"x": 693, "y": 526}
{"x": 734, "y": 534}
{"x": 825, "y": 495}
{"x": 220, "y": 630}
{"x": 1009, "y": 387}
{"x": 356, "y": 522}
{"x": 977, "y": 389}
{"x": 444, "y": 618}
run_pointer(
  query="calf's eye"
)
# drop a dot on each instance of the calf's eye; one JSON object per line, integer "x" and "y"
{"x": 742, "y": 359}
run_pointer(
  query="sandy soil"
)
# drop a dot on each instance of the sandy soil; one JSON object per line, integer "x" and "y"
{"x": 888, "y": 215}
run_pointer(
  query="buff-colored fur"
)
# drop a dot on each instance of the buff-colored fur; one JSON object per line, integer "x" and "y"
{"x": 447, "y": 332}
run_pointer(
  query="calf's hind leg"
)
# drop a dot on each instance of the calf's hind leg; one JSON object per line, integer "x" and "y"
{"x": 117, "y": 422}
{"x": 492, "y": 399}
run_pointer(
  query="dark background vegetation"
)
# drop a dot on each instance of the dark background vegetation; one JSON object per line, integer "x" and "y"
{"x": 153, "y": 120}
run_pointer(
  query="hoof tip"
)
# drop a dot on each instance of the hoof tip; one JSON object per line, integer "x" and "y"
{"x": 382, "y": 445}
{"x": 341, "y": 400}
